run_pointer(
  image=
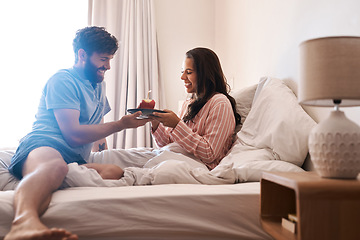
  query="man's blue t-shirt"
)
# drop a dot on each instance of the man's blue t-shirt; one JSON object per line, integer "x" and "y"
{"x": 64, "y": 90}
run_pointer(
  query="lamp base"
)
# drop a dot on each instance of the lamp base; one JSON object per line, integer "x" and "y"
{"x": 334, "y": 146}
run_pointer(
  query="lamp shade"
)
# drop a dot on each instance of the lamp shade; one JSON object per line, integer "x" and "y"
{"x": 329, "y": 70}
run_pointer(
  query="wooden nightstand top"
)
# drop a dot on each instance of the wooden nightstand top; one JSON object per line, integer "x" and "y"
{"x": 311, "y": 183}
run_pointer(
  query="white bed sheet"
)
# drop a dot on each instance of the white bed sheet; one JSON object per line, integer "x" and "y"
{"x": 170, "y": 211}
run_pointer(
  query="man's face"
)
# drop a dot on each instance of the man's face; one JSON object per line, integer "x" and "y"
{"x": 96, "y": 65}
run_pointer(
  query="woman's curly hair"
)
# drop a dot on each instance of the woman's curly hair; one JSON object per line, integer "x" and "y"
{"x": 210, "y": 80}
{"x": 94, "y": 39}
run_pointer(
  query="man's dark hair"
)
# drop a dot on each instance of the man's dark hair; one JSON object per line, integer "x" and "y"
{"x": 94, "y": 39}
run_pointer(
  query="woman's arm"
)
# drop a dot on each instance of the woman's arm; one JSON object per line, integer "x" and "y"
{"x": 161, "y": 132}
{"x": 206, "y": 139}
{"x": 218, "y": 126}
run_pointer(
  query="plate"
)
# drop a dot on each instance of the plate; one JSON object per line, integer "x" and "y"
{"x": 146, "y": 112}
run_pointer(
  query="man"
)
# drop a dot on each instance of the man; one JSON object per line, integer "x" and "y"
{"x": 68, "y": 121}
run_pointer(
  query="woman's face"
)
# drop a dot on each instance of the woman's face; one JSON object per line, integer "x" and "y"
{"x": 189, "y": 76}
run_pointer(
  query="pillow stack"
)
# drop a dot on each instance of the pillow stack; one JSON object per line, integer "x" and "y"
{"x": 275, "y": 130}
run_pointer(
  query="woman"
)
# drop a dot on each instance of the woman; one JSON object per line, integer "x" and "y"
{"x": 206, "y": 123}
{"x": 208, "y": 118}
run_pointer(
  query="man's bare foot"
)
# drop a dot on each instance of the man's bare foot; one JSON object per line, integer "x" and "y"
{"x": 37, "y": 231}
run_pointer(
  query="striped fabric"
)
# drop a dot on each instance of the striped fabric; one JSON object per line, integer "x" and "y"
{"x": 208, "y": 136}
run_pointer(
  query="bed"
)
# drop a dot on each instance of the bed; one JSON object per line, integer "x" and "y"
{"x": 175, "y": 197}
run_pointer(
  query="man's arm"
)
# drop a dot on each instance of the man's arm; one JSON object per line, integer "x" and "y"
{"x": 101, "y": 144}
{"x": 77, "y": 135}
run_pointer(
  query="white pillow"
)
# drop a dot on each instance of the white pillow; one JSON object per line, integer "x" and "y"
{"x": 277, "y": 122}
{"x": 250, "y": 162}
{"x": 5, "y": 159}
{"x": 262, "y": 83}
{"x": 240, "y": 154}
{"x": 252, "y": 171}
{"x": 7, "y": 180}
{"x": 243, "y": 98}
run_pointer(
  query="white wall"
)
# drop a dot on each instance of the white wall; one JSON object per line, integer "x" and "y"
{"x": 181, "y": 26}
{"x": 253, "y": 38}
{"x": 257, "y": 38}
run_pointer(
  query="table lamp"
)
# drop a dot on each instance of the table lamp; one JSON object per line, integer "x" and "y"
{"x": 330, "y": 77}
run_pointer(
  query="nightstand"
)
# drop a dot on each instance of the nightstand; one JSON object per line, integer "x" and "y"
{"x": 325, "y": 208}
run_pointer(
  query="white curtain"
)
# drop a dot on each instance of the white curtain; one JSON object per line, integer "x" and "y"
{"x": 134, "y": 69}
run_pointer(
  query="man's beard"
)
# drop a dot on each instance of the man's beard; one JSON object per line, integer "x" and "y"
{"x": 91, "y": 72}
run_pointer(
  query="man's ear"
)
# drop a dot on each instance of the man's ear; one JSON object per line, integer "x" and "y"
{"x": 82, "y": 55}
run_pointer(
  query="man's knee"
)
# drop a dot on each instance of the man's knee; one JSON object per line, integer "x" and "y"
{"x": 46, "y": 159}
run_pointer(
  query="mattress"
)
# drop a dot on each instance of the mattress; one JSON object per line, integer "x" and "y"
{"x": 176, "y": 211}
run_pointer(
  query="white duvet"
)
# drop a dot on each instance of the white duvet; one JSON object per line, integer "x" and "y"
{"x": 242, "y": 164}
{"x": 165, "y": 168}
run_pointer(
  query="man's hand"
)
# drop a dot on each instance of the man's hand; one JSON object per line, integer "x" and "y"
{"x": 131, "y": 120}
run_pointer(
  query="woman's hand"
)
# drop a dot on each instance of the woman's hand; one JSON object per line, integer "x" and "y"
{"x": 168, "y": 119}
{"x": 154, "y": 123}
